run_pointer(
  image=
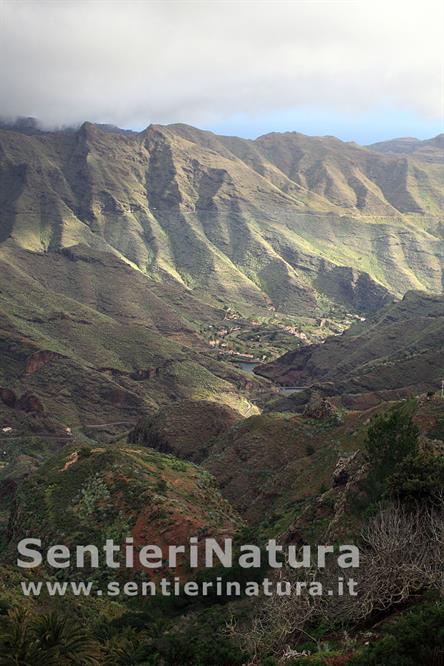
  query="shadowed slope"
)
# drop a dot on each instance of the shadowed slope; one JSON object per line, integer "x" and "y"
{"x": 396, "y": 352}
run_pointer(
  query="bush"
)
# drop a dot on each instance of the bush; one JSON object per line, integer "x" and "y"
{"x": 46, "y": 639}
{"x": 390, "y": 439}
{"x": 416, "y": 638}
{"x": 161, "y": 487}
{"x": 201, "y": 642}
{"x": 418, "y": 478}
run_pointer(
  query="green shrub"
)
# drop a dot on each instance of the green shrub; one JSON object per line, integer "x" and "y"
{"x": 437, "y": 431}
{"x": 415, "y": 638}
{"x": 161, "y": 487}
{"x": 201, "y": 642}
{"x": 418, "y": 478}
{"x": 390, "y": 438}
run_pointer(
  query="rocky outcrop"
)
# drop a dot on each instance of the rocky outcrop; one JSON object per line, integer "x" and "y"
{"x": 333, "y": 509}
{"x": 29, "y": 402}
{"x": 321, "y": 409}
{"x": 8, "y": 397}
{"x": 38, "y": 360}
{"x": 348, "y": 488}
{"x": 138, "y": 375}
{"x": 341, "y": 474}
{"x": 148, "y": 373}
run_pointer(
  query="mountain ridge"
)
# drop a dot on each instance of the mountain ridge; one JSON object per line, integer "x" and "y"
{"x": 233, "y": 220}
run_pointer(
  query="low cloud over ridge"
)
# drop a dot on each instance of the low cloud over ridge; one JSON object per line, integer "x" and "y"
{"x": 131, "y": 63}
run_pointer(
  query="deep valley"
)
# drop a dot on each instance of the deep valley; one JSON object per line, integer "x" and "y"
{"x": 208, "y": 336}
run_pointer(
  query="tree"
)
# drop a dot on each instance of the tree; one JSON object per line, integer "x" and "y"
{"x": 63, "y": 641}
{"x": 45, "y": 640}
{"x": 418, "y": 478}
{"x": 390, "y": 439}
{"x": 17, "y": 645}
{"x": 416, "y": 638}
{"x": 401, "y": 554}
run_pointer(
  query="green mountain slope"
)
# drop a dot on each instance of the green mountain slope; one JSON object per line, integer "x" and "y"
{"x": 396, "y": 352}
{"x": 119, "y": 492}
{"x": 96, "y": 343}
{"x": 285, "y": 221}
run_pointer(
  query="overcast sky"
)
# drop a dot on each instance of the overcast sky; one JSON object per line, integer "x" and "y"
{"x": 363, "y": 70}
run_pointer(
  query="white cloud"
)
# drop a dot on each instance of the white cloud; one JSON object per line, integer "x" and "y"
{"x": 131, "y": 63}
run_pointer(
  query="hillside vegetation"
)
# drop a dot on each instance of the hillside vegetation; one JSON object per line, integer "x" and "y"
{"x": 206, "y": 336}
{"x": 396, "y": 352}
{"x": 286, "y": 221}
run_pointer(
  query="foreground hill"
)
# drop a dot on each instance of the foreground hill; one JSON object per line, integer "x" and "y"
{"x": 102, "y": 493}
{"x": 396, "y": 352}
{"x": 95, "y": 342}
{"x": 187, "y": 429}
{"x": 285, "y": 221}
{"x": 86, "y": 495}
{"x": 270, "y": 466}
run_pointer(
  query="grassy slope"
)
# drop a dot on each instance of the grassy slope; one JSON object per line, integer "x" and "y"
{"x": 103, "y": 324}
{"x": 267, "y": 465}
{"x": 236, "y": 221}
{"x": 187, "y": 429}
{"x": 273, "y": 466}
{"x": 118, "y": 492}
{"x": 396, "y": 351}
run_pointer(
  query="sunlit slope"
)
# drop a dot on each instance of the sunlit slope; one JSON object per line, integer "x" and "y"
{"x": 89, "y": 337}
{"x": 281, "y": 221}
